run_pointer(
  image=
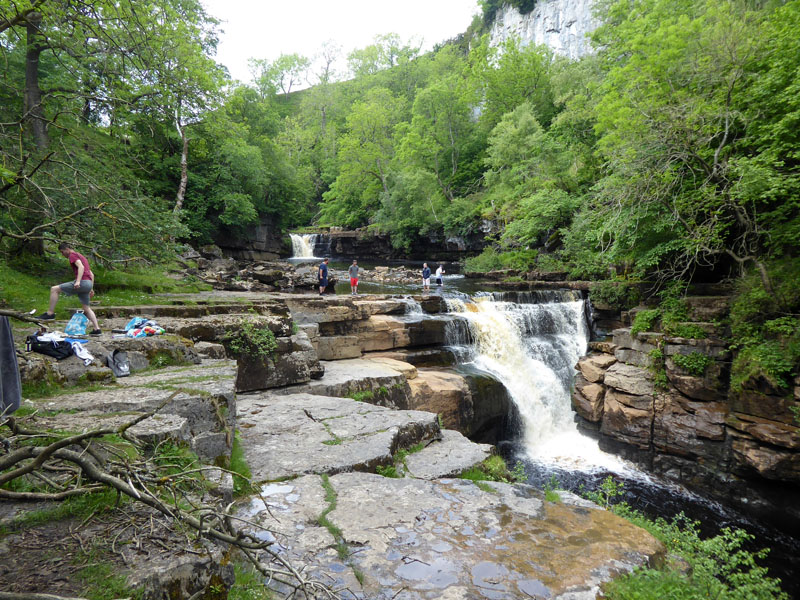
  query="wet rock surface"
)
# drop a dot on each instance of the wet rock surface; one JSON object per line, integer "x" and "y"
{"x": 448, "y": 538}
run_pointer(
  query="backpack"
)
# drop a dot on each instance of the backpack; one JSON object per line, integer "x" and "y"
{"x": 77, "y": 324}
{"x": 58, "y": 350}
{"x": 117, "y": 361}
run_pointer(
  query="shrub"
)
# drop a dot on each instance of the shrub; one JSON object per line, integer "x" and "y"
{"x": 694, "y": 363}
{"x": 251, "y": 339}
{"x": 492, "y": 260}
{"x": 645, "y": 320}
{"x": 614, "y": 294}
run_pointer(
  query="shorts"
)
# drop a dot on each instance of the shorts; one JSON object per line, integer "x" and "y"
{"x": 427, "y": 282}
{"x": 354, "y": 281}
{"x": 82, "y": 292}
{"x": 323, "y": 282}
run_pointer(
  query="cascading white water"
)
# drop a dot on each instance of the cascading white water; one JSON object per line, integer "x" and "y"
{"x": 303, "y": 245}
{"x": 531, "y": 347}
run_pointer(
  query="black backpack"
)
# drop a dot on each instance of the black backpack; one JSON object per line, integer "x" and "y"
{"x": 58, "y": 350}
{"x": 117, "y": 361}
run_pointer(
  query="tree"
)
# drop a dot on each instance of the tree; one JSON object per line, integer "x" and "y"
{"x": 284, "y": 73}
{"x": 675, "y": 130}
{"x": 80, "y": 74}
{"x": 365, "y": 154}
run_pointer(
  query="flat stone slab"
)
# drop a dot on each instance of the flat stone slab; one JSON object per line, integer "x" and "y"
{"x": 289, "y": 435}
{"x": 343, "y": 377}
{"x": 448, "y": 457}
{"x": 416, "y": 539}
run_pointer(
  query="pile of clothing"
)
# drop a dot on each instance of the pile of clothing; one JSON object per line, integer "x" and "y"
{"x": 140, "y": 327}
{"x": 58, "y": 345}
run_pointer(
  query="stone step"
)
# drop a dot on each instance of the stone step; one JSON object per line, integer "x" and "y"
{"x": 448, "y": 538}
{"x": 188, "y": 311}
{"x": 373, "y": 381}
{"x": 289, "y": 435}
{"x": 447, "y": 457}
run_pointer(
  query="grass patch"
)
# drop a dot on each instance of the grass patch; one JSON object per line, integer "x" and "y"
{"x": 249, "y": 584}
{"x": 330, "y": 497}
{"x": 389, "y": 471}
{"x": 551, "y": 490}
{"x": 242, "y": 484}
{"x": 25, "y": 284}
{"x": 78, "y": 507}
{"x": 494, "y": 468}
{"x": 101, "y": 579}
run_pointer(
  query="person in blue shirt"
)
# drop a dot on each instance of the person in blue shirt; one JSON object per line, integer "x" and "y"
{"x": 426, "y": 277}
{"x": 323, "y": 276}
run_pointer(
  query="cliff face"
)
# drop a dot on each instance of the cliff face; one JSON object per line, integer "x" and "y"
{"x": 561, "y": 25}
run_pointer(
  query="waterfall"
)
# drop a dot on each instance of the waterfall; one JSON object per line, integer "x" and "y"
{"x": 530, "y": 341}
{"x": 303, "y": 245}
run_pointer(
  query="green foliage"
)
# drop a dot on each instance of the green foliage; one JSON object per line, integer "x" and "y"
{"x": 492, "y": 260}
{"x": 616, "y": 295}
{"x": 388, "y": 471}
{"x": 694, "y": 363}
{"x": 645, "y": 320}
{"x": 719, "y": 566}
{"x": 242, "y": 484}
{"x": 765, "y": 329}
{"x": 101, "y": 579}
{"x": 551, "y": 490}
{"x": 249, "y": 584}
{"x": 494, "y": 468}
{"x": 609, "y": 493}
{"x": 252, "y": 339}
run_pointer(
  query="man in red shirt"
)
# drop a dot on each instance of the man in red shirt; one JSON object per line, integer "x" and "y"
{"x": 82, "y": 287}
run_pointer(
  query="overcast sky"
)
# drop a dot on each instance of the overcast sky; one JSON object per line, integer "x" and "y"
{"x": 269, "y": 28}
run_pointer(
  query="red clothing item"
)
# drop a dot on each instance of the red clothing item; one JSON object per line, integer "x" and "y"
{"x": 74, "y": 258}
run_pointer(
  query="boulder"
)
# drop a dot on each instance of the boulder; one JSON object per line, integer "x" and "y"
{"x": 445, "y": 393}
{"x": 629, "y": 379}
{"x": 288, "y": 435}
{"x": 587, "y": 399}
{"x": 593, "y": 367}
{"x": 448, "y": 456}
{"x": 768, "y": 431}
{"x": 291, "y": 364}
{"x": 688, "y": 428}
{"x": 624, "y": 422}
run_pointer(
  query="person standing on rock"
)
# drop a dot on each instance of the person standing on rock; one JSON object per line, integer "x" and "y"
{"x": 353, "y": 271}
{"x": 82, "y": 287}
{"x": 439, "y": 273}
{"x": 323, "y": 276}
{"x": 426, "y": 277}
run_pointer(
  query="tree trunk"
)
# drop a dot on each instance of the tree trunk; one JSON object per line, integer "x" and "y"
{"x": 184, "y": 169}
{"x": 34, "y": 114}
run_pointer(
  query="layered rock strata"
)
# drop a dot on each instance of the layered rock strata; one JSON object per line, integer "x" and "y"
{"x": 689, "y": 425}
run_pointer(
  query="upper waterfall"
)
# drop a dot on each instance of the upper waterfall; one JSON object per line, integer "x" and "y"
{"x": 561, "y": 25}
{"x": 303, "y": 245}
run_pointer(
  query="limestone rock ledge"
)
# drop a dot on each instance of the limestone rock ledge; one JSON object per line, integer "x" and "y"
{"x": 448, "y": 538}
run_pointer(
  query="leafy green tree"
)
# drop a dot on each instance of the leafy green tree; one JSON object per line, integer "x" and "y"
{"x": 365, "y": 153}
{"x": 509, "y": 74}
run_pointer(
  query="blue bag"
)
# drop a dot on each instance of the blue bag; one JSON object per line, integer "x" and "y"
{"x": 135, "y": 323}
{"x": 77, "y": 324}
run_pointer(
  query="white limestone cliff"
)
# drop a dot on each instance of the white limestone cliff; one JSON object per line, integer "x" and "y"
{"x": 561, "y": 25}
